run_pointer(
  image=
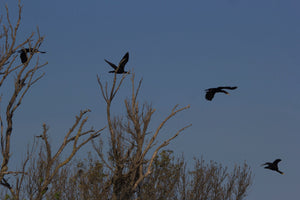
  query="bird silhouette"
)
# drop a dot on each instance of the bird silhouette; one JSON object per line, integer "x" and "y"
{"x": 210, "y": 93}
{"x": 120, "y": 68}
{"x": 23, "y": 53}
{"x": 273, "y": 166}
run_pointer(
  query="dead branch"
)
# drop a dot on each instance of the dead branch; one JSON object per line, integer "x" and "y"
{"x": 50, "y": 167}
{"x": 26, "y": 76}
{"x": 127, "y": 140}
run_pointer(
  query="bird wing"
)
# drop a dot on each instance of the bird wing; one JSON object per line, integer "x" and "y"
{"x": 276, "y": 161}
{"x": 31, "y": 50}
{"x": 209, "y": 95}
{"x": 227, "y": 87}
{"x": 267, "y": 163}
{"x": 224, "y": 91}
{"x": 123, "y": 61}
{"x": 111, "y": 64}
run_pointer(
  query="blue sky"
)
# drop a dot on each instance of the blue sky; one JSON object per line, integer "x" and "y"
{"x": 179, "y": 48}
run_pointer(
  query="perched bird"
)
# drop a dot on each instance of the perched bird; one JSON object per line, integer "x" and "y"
{"x": 273, "y": 166}
{"x": 210, "y": 93}
{"x": 120, "y": 68}
{"x": 23, "y": 56}
{"x": 23, "y": 53}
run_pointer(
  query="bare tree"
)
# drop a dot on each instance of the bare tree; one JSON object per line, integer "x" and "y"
{"x": 26, "y": 76}
{"x": 38, "y": 170}
{"x": 46, "y": 166}
{"x": 132, "y": 150}
{"x": 163, "y": 182}
{"x": 84, "y": 179}
{"x": 169, "y": 180}
{"x": 213, "y": 182}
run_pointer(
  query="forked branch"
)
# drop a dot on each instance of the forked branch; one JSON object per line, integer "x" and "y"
{"x": 78, "y": 142}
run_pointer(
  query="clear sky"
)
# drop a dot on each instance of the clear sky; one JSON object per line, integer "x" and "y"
{"x": 179, "y": 48}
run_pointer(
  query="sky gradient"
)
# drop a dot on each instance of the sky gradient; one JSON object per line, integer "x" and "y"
{"x": 179, "y": 48}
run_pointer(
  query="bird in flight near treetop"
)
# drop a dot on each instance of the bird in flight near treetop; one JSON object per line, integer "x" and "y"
{"x": 120, "y": 68}
{"x": 273, "y": 166}
{"x": 210, "y": 93}
{"x": 23, "y": 53}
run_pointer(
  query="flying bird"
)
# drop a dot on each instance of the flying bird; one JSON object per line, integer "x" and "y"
{"x": 273, "y": 166}
{"x": 23, "y": 53}
{"x": 210, "y": 93}
{"x": 120, "y": 68}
